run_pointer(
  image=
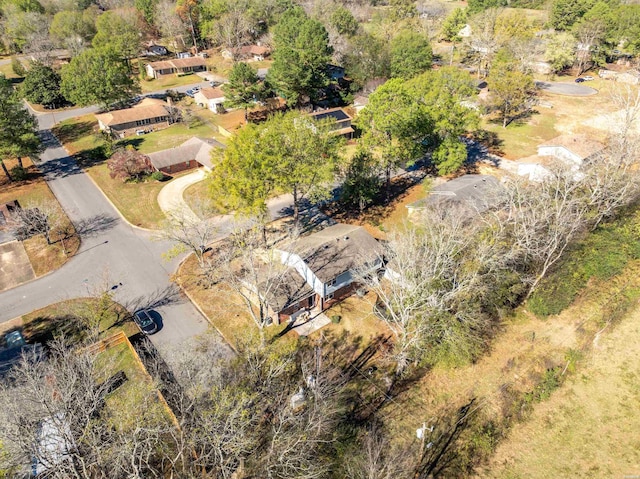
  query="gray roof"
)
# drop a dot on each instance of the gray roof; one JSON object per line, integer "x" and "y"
{"x": 480, "y": 192}
{"x": 336, "y": 249}
{"x": 196, "y": 148}
{"x": 291, "y": 289}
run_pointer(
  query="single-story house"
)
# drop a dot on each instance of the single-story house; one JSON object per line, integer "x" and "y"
{"x": 573, "y": 149}
{"x": 471, "y": 192}
{"x": 148, "y": 115}
{"x": 341, "y": 121}
{"x": 325, "y": 265}
{"x": 255, "y": 52}
{"x": 212, "y": 98}
{"x": 193, "y": 153}
{"x": 177, "y": 65}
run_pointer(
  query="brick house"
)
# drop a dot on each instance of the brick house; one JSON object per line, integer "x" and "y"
{"x": 193, "y": 153}
{"x": 177, "y": 65}
{"x": 149, "y": 115}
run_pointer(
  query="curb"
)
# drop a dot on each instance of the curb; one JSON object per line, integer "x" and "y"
{"x": 100, "y": 189}
{"x": 112, "y": 204}
{"x": 197, "y": 306}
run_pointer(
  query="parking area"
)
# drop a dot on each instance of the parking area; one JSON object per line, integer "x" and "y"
{"x": 15, "y": 267}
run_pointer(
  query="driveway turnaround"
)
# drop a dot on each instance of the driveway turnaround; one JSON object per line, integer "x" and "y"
{"x": 171, "y": 196}
{"x": 569, "y": 89}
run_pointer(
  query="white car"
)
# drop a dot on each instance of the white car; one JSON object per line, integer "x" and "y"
{"x": 587, "y": 78}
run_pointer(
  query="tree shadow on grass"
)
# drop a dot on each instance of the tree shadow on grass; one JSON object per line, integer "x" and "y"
{"x": 43, "y": 329}
{"x": 70, "y": 132}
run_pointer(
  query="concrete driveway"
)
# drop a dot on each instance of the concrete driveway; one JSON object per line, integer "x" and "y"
{"x": 569, "y": 89}
{"x": 15, "y": 267}
{"x": 171, "y": 196}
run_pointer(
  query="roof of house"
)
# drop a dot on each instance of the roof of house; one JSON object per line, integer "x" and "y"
{"x": 147, "y": 108}
{"x": 178, "y": 63}
{"x": 195, "y": 148}
{"x": 338, "y": 114}
{"x": 211, "y": 93}
{"x": 480, "y": 192}
{"x": 581, "y": 145}
{"x": 336, "y": 249}
{"x": 290, "y": 289}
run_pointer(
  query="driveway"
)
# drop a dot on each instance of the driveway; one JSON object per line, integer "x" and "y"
{"x": 569, "y": 89}
{"x": 171, "y": 197}
{"x": 15, "y": 267}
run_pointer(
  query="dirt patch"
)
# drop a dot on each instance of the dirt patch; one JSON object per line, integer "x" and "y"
{"x": 15, "y": 267}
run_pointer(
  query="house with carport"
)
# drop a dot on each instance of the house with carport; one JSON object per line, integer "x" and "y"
{"x": 193, "y": 153}
{"x": 176, "y": 65}
{"x": 323, "y": 269}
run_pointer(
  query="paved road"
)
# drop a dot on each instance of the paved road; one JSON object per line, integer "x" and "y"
{"x": 570, "y": 89}
{"x": 112, "y": 251}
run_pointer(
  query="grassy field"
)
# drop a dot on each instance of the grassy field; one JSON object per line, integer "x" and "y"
{"x": 198, "y": 198}
{"x": 34, "y": 190}
{"x": 58, "y": 319}
{"x": 589, "y": 427}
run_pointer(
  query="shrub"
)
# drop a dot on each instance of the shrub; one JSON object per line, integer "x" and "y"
{"x": 17, "y": 67}
{"x": 18, "y": 173}
{"x": 184, "y": 74}
{"x": 157, "y": 176}
{"x": 336, "y": 318}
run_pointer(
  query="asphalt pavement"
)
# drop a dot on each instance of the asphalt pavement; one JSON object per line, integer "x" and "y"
{"x": 113, "y": 254}
{"x": 569, "y": 89}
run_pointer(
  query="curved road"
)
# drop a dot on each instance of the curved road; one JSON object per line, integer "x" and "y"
{"x": 112, "y": 250}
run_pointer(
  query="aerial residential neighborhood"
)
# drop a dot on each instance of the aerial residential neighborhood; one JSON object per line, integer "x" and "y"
{"x": 338, "y": 239}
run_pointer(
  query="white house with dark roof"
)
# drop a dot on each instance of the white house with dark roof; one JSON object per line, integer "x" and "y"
{"x": 325, "y": 264}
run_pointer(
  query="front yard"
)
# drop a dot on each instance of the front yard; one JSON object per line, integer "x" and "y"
{"x": 137, "y": 202}
{"x": 167, "y": 82}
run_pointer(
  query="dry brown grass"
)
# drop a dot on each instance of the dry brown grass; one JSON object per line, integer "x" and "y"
{"x": 44, "y": 258}
{"x": 588, "y": 428}
{"x": 357, "y": 318}
{"x": 222, "y": 306}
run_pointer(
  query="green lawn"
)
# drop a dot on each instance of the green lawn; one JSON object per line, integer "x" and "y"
{"x": 521, "y": 139}
{"x": 168, "y": 82}
{"x": 9, "y": 74}
{"x": 198, "y": 198}
{"x": 136, "y": 201}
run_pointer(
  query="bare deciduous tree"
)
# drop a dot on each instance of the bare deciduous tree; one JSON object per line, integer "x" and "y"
{"x": 189, "y": 233}
{"x": 42, "y": 217}
{"x": 54, "y": 416}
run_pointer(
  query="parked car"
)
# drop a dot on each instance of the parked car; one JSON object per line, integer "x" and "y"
{"x": 14, "y": 339}
{"x": 190, "y": 93}
{"x": 579, "y": 80}
{"x": 214, "y": 83}
{"x": 588, "y": 78}
{"x": 145, "y": 322}
{"x": 141, "y": 132}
